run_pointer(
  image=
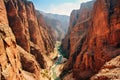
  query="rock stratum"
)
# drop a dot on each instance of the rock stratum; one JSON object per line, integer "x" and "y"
{"x": 25, "y": 41}
{"x": 93, "y": 38}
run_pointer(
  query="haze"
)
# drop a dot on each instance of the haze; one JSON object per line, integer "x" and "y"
{"x": 63, "y": 7}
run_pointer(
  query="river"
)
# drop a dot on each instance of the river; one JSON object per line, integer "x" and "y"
{"x": 56, "y": 69}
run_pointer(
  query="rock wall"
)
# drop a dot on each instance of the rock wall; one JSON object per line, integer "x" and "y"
{"x": 46, "y": 32}
{"x": 98, "y": 39}
{"x": 29, "y": 26}
{"x": 109, "y": 71}
{"x": 10, "y": 67}
{"x": 23, "y": 13}
{"x": 25, "y": 42}
{"x": 80, "y": 21}
{"x": 66, "y": 40}
{"x": 17, "y": 17}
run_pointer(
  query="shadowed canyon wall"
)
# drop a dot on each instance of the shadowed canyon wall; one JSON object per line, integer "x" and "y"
{"x": 93, "y": 37}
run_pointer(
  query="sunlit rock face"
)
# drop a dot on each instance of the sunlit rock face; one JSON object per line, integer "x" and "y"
{"x": 10, "y": 67}
{"x": 30, "y": 67}
{"x": 101, "y": 41}
{"x": 25, "y": 42}
{"x": 24, "y": 21}
{"x": 39, "y": 33}
{"x": 29, "y": 26}
{"x": 109, "y": 71}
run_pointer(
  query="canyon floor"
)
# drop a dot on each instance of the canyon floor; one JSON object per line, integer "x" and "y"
{"x": 54, "y": 72}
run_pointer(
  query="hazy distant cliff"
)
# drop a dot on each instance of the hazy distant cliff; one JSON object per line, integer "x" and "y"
{"x": 59, "y": 24}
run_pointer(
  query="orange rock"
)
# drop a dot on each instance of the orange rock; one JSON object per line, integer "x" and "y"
{"x": 25, "y": 60}
{"x": 18, "y": 22}
{"x": 10, "y": 67}
{"x": 101, "y": 41}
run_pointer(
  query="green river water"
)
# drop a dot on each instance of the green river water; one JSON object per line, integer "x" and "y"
{"x": 58, "y": 62}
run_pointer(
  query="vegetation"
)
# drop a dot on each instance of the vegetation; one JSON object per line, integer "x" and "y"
{"x": 45, "y": 73}
{"x": 62, "y": 52}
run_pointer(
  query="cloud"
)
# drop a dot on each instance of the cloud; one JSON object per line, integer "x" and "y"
{"x": 65, "y": 8}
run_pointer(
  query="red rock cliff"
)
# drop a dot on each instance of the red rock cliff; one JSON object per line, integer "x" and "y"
{"x": 79, "y": 23}
{"x": 29, "y": 27}
{"x": 18, "y": 21}
{"x": 10, "y": 67}
{"x": 66, "y": 40}
{"x": 46, "y": 32}
{"x": 102, "y": 38}
{"x": 24, "y": 41}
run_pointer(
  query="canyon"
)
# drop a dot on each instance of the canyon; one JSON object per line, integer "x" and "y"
{"x": 59, "y": 24}
{"x": 33, "y": 44}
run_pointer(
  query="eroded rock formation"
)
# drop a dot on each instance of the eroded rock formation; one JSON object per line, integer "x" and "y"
{"x": 10, "y": 67}
{"x": 80, "y": 22}
{"x": 110, "y": 71}
{"x": 96, "y": 38}
{"x": 25, "y": 42}
{"x": 17, "y": 17}
{"x": 27, "y": 25}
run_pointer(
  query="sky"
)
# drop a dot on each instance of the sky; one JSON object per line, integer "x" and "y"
{"x": 62, "y": 7}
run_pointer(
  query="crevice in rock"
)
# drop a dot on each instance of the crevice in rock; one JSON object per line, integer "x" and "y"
{"x": 3, "y": 33}
{"x": 5, "y": 46}
{"x": 2, "y": 77}
{"x": 38, "y": 57}
{"x": 78, "y": 50}
{"x": 27, "y": 65}
{"x": 14, "y": 43}
{"x": 118, "y": 45}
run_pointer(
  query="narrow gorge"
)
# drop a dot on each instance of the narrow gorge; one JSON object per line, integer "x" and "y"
{"x": 35, "y": 45}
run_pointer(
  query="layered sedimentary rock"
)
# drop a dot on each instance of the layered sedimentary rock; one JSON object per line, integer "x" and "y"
{"x": 99, "y": 43}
